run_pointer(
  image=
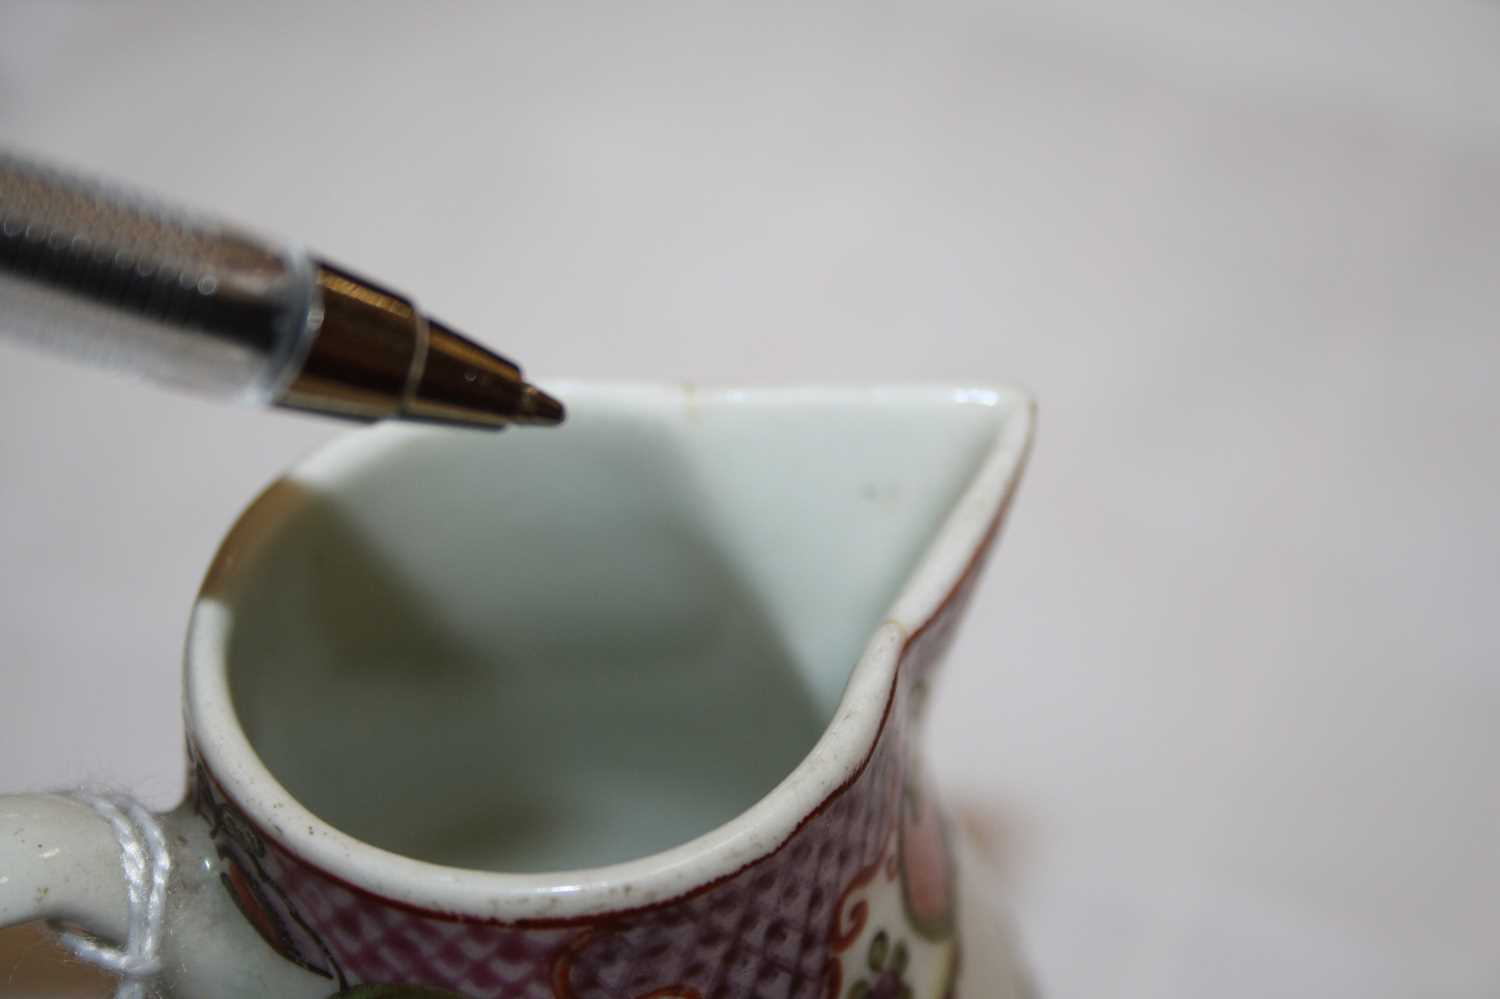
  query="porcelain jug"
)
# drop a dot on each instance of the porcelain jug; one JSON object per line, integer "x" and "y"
{"x": 632, "y": 709}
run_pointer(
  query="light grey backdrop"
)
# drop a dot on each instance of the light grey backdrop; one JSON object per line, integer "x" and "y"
{"x": 1231, "y": 687}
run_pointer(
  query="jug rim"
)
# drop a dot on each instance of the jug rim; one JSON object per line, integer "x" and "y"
{"x": 557, "y": 897}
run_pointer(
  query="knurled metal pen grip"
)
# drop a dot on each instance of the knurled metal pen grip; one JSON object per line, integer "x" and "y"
{"x": 118, "y": 280}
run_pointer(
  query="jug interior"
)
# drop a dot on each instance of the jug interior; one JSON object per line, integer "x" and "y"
{"x": 552, "y": 649}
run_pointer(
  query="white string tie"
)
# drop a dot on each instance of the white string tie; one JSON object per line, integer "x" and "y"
{"x": 147, "y": 865}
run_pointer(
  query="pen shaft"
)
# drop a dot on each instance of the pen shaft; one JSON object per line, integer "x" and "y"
{"x": 114, "y": 279}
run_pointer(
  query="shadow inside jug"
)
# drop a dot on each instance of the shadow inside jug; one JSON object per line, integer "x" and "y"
{"x": 651, "y": 703}
{"x": 531, "y": 655}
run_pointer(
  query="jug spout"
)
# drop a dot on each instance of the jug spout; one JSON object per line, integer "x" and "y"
{"x": 905, "y": 925}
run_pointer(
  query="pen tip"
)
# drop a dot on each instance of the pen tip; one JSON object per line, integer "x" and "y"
{"x": 539, "y": 408}
{"x": 465, "y": 384}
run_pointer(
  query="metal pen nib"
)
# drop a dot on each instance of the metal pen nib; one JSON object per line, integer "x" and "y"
{"x": 540, "y": 409}
{"x": 464, "y": 383}
{"x": 374, "y": 356}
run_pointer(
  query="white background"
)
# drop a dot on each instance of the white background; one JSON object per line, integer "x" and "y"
{"x": 1230, "y": 691}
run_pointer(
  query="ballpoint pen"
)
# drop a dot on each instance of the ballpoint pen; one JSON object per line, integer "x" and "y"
{"x": 120, "y": 280}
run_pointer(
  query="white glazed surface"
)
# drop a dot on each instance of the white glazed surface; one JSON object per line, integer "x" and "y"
{"x": 847, "y": 513}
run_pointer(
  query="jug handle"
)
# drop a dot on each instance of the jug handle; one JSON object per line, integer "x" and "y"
{"x": 61, "y": 861}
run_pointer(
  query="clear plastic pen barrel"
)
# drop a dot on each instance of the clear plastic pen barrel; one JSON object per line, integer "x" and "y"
{"x": 117, "y": 280}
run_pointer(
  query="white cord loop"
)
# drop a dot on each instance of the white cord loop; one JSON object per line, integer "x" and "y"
{"x": 147, "y": 865}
